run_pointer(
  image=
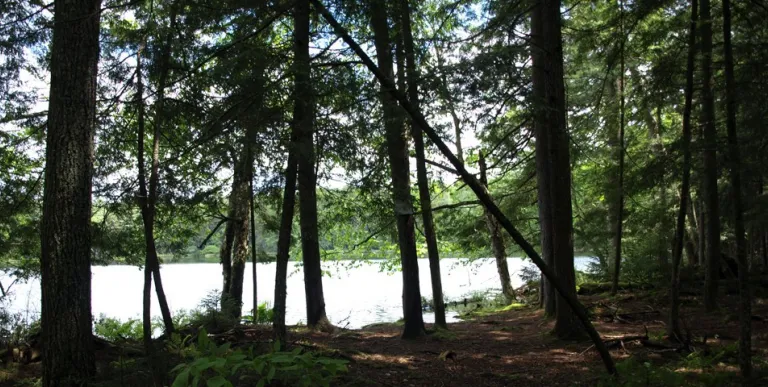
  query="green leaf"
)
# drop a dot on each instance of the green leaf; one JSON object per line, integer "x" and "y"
{"x": 218, "y": 381}
{"x": 271, "y": 373}
{"x": 182, "y": 379}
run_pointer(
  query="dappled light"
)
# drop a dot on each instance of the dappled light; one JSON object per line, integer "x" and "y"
{"x": 230, "y": 193}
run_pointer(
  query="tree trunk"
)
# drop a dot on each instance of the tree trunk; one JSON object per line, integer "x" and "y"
{"x": 284, "y": 238}
{"x": 567, "y": 292}
{"x": 549, "y": 88}
{"x": 225, "y": 253}
{"x": 255, "y": 311}
{"x": 68, "y": 357}
{"x": 232, "y": 298}
{"x": 149, "y": 210}
{"x": 702, "y": 223}
{"x": 397, "y": 149}
{"x": 157, "y": 373}
{"x": 543, "y": 165}
{"x": 673, "y": 324}
{"x": 745, "y": 303}
{"x": 617, "y": 236}
{"x": 711, "y": 203}
{"x": 421, "y": 168}
{"x": 497, "y": 243}
{"x": 307, "y": 175}
{"x": 692, "y": 241}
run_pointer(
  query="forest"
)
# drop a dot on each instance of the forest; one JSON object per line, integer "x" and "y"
{"x": 603, "y": 157}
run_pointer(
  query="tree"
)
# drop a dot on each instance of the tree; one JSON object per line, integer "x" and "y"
{"x": 497, "y": 242}
{"x": 745, "y": 300}
{"x": 147, "y": 218}
{"x": 307, "y": 174}
{"x": 421, "y": 168}
{"x": 709, "y": 186}
{"x": 387, "y": 84}
{"x": 68, "y": 353}
{"x": 673, "y": 326}
{"x": 553, "y": 155}
{"x": 397, "y": 150}
{"x": 618, "y": 232}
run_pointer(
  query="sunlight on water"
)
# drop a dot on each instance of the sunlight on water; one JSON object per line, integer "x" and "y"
{"x": 354, "y": 296}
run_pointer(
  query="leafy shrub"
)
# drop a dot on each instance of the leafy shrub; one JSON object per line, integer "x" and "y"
{"x": 265, "y": 316}
{"x": 113, "y": 329}
{"x": 219, "y": 365}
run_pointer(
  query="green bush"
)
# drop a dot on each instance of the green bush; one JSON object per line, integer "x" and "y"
{"x": 218, "y": 365}
{"x": 265, "y": 316}
{"x": 113, "y": 329}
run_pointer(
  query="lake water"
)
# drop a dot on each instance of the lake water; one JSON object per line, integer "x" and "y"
{"x": 354, "y": 295}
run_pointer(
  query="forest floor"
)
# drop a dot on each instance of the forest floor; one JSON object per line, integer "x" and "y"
{"x": 512, "y": 346}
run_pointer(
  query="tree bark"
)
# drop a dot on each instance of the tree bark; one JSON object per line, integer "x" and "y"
{"x": 702, "y": 223}
{"x": 745, "y": 300}
{"x": 284, "y": 239}
{"x": 254, "y": 258}
{"x": 618, "y": 233}
{"x": 673, "y": 324}
{"x": 307, "y": 174}
{"x": 397, "y": 149}
{"x": 421, "y": 168}
{"x": 232, "y": 298}
{"x": 225, "y": 253}
{"x": 548, "y": 85}
{"x": 564, "y": 290}
{"x": 497, "y": 242}
{"x": 543, "y": 163}
{"x": 711, "y": 203}
{"x": 692, "y": 241}
{"x": 68, "y": 354}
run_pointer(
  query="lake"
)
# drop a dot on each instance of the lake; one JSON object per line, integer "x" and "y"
{"x": 355, "y": 294}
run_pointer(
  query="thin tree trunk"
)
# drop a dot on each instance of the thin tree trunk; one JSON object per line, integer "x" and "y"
{"x": 497, "y": 242}
{"x": 745, "y": 301}
{"x": 673, "y": 324}
{"x": 711, "y": 203}
{"x": 702, "y": 223}
{"x": 397, "y": 148}
{"x": 68, "y": 354}
{"x": 253, "y": 254}
{"x": 692, "y": 241}
{"x": 307, "y": 174}
{"x": 764, "y": 242}
{"x": 386, "y": 82}
{"x": 421, "y": 168}
{"x": 157, "y": 373}
{"x": 154, "y": 177}
{"x": 284, "y": 239}
{"x": 617, "y": 236}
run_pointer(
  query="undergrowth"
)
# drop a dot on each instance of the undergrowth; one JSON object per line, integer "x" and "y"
{"x": 207, "y": 363}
